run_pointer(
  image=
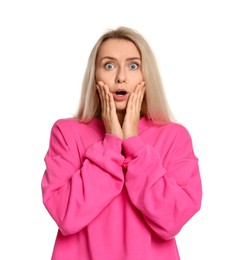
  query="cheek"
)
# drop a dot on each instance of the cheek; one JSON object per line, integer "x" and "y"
{"x": 98, "y": 75}
{"x": 137, "y": 78}
{"x": 103, "y": 76}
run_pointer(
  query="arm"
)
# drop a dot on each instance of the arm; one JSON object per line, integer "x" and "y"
{"x": 167, "y": 191}
{"x": 75, "y": 190}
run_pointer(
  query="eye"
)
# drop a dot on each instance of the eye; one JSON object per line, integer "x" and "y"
{"x": 109, "y": 66}
{"x": 134, "y": 66}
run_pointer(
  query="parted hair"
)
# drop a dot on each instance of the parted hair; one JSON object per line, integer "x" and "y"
{"x": 155, "y": 105}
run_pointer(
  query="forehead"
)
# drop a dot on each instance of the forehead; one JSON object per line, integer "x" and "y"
{"x": 118, "y": 48}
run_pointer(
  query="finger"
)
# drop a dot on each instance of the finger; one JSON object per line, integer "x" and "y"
{"x": 133, "y": 102}
{"x": 112, "y": 103}
{"x": 138, "y": 97}
{"x": 130, "y": 102}
{"x": 139, "y": 91}
{"x": 103, "y": 90}
{"x": 106, "y": 97}
{"x": 141, "y": 95}
{"x": 103, "y": 96}
{"x": 139, "y": 86}
{"x": 100, "y": 94}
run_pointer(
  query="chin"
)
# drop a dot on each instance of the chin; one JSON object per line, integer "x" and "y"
{"x": 121, "y": 110}
{"x": 120, "y": 107}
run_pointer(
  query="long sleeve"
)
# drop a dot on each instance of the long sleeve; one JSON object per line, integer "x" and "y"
{"x": 164, "y": 185}
{"x": 77, "y": 186}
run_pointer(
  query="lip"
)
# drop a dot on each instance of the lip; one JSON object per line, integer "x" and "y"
{"x": 120, "y": 97}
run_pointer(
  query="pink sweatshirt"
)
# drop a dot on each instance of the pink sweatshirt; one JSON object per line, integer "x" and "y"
{"x": 116, "y": 199}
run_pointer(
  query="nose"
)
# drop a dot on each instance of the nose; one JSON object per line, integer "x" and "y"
{"x": 121, "y": 76}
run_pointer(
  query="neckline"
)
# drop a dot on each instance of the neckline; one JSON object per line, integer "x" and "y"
{"x": 98, "y": 122}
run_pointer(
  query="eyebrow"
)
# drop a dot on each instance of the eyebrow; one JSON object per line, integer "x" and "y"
{"x": 112, "y": 58}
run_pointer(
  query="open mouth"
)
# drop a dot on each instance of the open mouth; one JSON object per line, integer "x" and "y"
{"x": 121, "y": 92}
{"x": 120, "y": 95}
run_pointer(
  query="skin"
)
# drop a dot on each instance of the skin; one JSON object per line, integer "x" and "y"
{"x": 118, "y": 66}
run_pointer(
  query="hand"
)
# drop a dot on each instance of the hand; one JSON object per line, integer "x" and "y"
{"x": 109, "y": 115}
{"x": 132, "y": 117}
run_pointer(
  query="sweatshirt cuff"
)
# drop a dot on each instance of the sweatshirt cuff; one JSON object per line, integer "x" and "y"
{"x": 113, "y": 142}
{"x": 132, "y": 145}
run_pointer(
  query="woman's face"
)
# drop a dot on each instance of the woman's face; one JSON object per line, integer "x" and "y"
{"x": 118, "y": 65}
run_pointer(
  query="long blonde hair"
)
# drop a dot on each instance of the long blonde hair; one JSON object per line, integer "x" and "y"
{"x": 155, "y": 105}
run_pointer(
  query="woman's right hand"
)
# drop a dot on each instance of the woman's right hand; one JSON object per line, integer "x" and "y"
{"x": 109, "y": 115}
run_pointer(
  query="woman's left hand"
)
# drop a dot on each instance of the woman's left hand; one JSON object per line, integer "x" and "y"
{"x": 132, "y": 116}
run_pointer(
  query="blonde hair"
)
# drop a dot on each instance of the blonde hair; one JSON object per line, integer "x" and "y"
{"x": 155, "y": 105}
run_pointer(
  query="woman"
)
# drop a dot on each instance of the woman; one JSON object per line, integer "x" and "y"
{"x": 121, "y": 177}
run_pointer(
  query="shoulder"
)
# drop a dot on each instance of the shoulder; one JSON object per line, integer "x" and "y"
{"x": 176, "y": 129}
{"x": 178, "y": 138}
{"x": 71, "y": 128}
{"x": 64, "y": 129}
{"x": 66, "y": 123}
{"x": 170, "y": 130}
{"x": 176, "y": 134}
{"x": 168, "y": 138}
{"x": 64, "y": 126}
{"x": 171, "y": 134}
{"x": 70, "y": 124}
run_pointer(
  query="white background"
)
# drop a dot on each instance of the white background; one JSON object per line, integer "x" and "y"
{"x": 202, "y": 51}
